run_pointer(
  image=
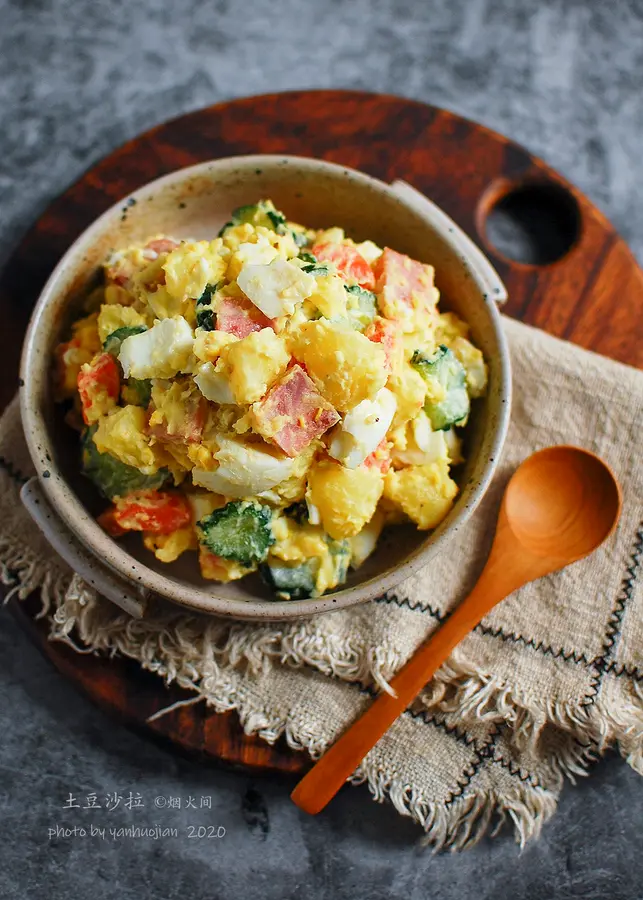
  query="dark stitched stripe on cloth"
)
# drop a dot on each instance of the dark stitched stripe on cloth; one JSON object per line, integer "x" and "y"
{"x": 615, "y": 621}
{"x": 11, "y": 470}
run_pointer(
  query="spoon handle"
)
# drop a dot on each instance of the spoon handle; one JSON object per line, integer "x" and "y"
{"x": 326, "y": 777}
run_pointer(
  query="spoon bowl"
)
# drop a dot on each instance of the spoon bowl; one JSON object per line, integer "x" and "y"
{"x": 559, "y": 506}
{"x": 562, "y": 502}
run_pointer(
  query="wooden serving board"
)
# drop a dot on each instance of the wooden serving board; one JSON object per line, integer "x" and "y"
{"x": 590, "y": 296}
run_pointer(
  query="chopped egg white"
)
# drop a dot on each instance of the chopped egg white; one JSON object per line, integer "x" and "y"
{"x": 244, "y": 470}
{"x": 260, "y": 254}
{"x": 160, "y": 352}
{"x": 363, "y": 429}
{"x": 213, "y": 385}
{"x": 454, "y": 446}
{"x": 365, "y": 541}
{"x": 314, "y": 516}
{"x": 424, "y": 447}
{"x": 277, "y": 288}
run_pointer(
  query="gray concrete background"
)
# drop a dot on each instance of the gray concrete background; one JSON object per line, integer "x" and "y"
{"x": 78, "y": 78}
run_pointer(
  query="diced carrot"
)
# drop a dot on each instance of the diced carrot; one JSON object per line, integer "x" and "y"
{"x": 385, "y": 332}
{"x": 351, "y": 265}
{"x": 380, "y": 458}
{"x": 107, "y": 521}
{"x": 99, "y": 385}
{"x": 157, "y": 512}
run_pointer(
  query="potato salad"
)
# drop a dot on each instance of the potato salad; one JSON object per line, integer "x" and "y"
{"x": 270, "y": 399}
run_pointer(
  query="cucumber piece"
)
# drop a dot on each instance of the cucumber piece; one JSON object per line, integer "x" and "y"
{"x": 262, "y": 213}
{"x": 362, "y": 312}
{"x": 289, "y": 582}
{"x": 312, "y": 266}
{"x": 298, "y": 512}
{"x": 113, "y": 341}
{"x": 340, "y": 552}
{"x": 112, "y": 477}
{"x": 205, "y": 317}
{"x": 446, "y": 378}
{"x": 139, "y": 391}
{"x": 241, "y": 530}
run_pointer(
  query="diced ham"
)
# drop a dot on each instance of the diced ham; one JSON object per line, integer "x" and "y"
{"x": 240, "y": 317}
{"x": 184, "y": 427}
{"x": 351, "y": 265}
{"x": 157, "y": 512}
{"x": 385, "y": 332}
{"x": 293, "y": 413}
{"x": 99, "y": 384}
{"x": 402, "y": 283}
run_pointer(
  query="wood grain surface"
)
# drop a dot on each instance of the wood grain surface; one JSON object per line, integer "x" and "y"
{"x": 590, "y": 296}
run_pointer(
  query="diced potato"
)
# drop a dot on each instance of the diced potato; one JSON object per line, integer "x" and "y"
{"x": 113, "y": 316}
{"x": 424, "y": 493}
{"x": 168, "y": 547}
{"x": 209, "y": 344}
{"x": 329, "y": 296}
{"x": 253, "y": 363}
{"x": 346, "y": 498}
{"x": 369, "y": 250}
{"x": 215, "y": 568}
{"x": 345, "y": 365}
{"x": 85, "y": 331}
{"x": 474, "y": 365}
{"x": 297, "y": 543}
{"x": 122, "y": 433}
{"x": 449, "y": 327}
{"x": 114, "y": 293}
{"x": 192, "y": 266}
{"x": 203, "y": 504}
{"x": 330, "y": 236}
{"x": 235, "y": 235}
{"x": 410, "y": 390}
{"x": 163, "y": 305}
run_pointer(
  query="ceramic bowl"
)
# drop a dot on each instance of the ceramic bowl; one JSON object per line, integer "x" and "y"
{"x": 195, "y": 202}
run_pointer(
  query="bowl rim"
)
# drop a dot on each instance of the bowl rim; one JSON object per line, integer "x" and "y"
{"x": 85, "y": 528}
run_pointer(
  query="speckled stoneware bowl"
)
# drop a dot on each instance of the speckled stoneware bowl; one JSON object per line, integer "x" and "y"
{"x": 195, "y": 202}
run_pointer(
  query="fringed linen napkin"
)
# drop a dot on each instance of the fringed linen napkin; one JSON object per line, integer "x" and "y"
{"x": 551, "y": 677}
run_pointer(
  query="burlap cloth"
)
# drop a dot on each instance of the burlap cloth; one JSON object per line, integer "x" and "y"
{"x": 548, "y": 681}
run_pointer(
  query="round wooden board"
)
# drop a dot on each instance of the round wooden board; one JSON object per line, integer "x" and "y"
{"x": 590, "y": 296}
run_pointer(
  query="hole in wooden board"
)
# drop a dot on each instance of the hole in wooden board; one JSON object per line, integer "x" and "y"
{"x": 534, "y": 223}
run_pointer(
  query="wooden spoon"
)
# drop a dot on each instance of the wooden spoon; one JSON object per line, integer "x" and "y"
{"x": 559, "y": 506}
